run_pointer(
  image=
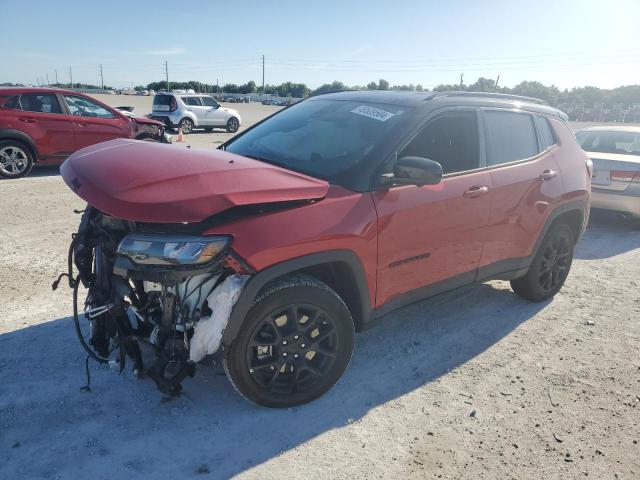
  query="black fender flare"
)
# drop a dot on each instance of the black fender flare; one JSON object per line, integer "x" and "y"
{"x": 263, "y": 277}
{"x": 514, "y": 268}
{"x": 12, "y": 134}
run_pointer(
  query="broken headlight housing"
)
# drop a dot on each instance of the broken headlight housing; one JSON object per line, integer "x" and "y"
{"x": 174, "y": 250}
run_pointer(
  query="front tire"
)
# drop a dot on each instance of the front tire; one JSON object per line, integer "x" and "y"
{"x": 550, "y": 267}
{"x": 233, "y": 125}
{"x": 294, "y": 345}
{"x": 15, "y": 159}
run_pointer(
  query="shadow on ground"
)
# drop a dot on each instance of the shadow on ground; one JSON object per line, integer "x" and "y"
{"x": 607, "y": 235}
{"x": 48, "y": 428}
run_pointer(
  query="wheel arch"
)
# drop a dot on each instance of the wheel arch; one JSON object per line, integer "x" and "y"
{"x": 573, "y": 213}
{"x": 191, "y": 117}
{"x": 17, "y": 135}
{"x": 339, "y": 269}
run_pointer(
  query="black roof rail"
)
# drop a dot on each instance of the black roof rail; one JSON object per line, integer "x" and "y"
{"x": 333, "y": 90}
{"x": 501, "y": 96}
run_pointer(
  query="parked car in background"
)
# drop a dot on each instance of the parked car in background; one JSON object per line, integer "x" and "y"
{"x": 615, "y": 153}
{"x": 45, "y": 125}
{"x": 193, "y": 111}
{"x": 319, "y": 220}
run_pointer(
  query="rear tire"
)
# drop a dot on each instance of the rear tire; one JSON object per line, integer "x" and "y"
{"x": 187, "y": 125}
{"x": 294, "y": 345}
{"x": 550, "y": 266}
{"x": 15, "y": 159}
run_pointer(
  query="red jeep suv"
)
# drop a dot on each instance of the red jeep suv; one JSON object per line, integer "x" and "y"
{"x": 45, "y": 125}
{"x": 272, "y": 250}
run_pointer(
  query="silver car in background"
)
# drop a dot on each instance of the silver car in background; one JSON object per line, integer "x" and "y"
{"x": 615, "y": 152}
{"x": 190, "y": 111}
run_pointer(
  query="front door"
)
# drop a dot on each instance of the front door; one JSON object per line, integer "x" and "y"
{"x": 430, "y": 238}
{"x": 95, "y": 123}
{"x": 215, "y": 116}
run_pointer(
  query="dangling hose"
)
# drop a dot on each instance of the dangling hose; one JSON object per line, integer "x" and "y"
{"x": 76, "y": 320}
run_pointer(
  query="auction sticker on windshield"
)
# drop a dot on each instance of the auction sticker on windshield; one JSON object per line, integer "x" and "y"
{"x": 373, "y": 112}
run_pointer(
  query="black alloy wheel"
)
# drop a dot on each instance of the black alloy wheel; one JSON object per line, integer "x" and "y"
{"x": 295, "y": 344}
{"x": 550, "y": 267}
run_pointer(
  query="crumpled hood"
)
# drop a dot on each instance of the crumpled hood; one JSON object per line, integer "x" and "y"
{"x": 153, "y": 182}
{"x": 147, "y": 121}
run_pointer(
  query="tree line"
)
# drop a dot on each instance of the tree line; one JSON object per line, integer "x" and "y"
{"x": 621, "y": 104}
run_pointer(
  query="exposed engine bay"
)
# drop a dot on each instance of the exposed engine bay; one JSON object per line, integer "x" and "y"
{"x": 152, "y": 291}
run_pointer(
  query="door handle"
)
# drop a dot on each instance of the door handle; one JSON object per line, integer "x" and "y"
{"x": 548, "y": 175}
{"x": 476, "y": 191}
{"x": 27, "y": 120}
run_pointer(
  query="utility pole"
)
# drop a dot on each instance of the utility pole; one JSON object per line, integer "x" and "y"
{"x": 263, "y": 92}
{"x": 461, "y": 84}
{"x": 48, "y": 79}
{"x": 71, "y": 76}
{"x": 56, "y": 77}
{"x": 217, "y": 85}
{"x": 101, "y": 77}
{"x": 166, "y": 71}
{"x": 495, "y": 86}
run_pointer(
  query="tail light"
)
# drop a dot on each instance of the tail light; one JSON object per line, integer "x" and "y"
{"x": 589, "y": 163}
{"x": 174, "y": 105}
{"x": 625, "y": 176}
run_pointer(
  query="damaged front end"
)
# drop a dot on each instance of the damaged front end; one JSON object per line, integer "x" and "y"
{"x": 152, "y": 290}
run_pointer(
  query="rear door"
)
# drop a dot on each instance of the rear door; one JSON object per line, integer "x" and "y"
{"x": 194, "y": 105}
{"x": 526, "y": 185}
{"x": 95, "y": 123}
{"x": 430, "y": 238}
{"x": 41, "y": 117}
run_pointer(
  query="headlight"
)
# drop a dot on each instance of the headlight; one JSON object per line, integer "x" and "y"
{"x": 172, "y": 250}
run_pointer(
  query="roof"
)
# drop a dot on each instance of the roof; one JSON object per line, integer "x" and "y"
{"x": 612, "y": 128}
{"x": 17, "y": 90}
{"x": 416, "y": 99}
{"x": 392, "y": 97}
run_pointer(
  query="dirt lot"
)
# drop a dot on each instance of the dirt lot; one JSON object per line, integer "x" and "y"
{"x": 475, "y": 384}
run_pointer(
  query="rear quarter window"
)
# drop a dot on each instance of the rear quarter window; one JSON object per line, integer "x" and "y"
{"x": 546, "y": 137}
{"x": 511, "y": 136}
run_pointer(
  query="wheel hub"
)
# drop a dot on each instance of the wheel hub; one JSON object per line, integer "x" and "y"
{"x": 291, "y": 348}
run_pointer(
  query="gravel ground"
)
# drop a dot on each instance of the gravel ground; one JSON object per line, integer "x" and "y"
{"x": 473, "y": 384}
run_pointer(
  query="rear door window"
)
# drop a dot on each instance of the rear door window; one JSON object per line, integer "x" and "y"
{"x": 40, "y": 102}
{"x": 511, "y": 136}
{"x": 546, "y": 137}
{"x": 192, "y": 101}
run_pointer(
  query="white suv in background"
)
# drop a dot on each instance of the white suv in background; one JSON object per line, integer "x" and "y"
{"x": 193, "y": 111}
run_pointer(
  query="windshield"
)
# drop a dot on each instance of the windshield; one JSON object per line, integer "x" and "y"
{"x": 319, "y": 137}
{"x": 624, "y": 143}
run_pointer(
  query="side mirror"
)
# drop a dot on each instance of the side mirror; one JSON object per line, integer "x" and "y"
{"x": 414, "y": 171}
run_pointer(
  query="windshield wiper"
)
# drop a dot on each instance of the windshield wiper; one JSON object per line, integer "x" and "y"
{"x": 266, "y": 160}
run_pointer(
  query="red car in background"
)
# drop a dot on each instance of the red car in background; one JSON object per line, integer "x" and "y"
{"x": 46, "y": 125}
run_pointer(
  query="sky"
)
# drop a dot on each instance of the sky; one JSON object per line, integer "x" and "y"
{"x": 567, "y": 43}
